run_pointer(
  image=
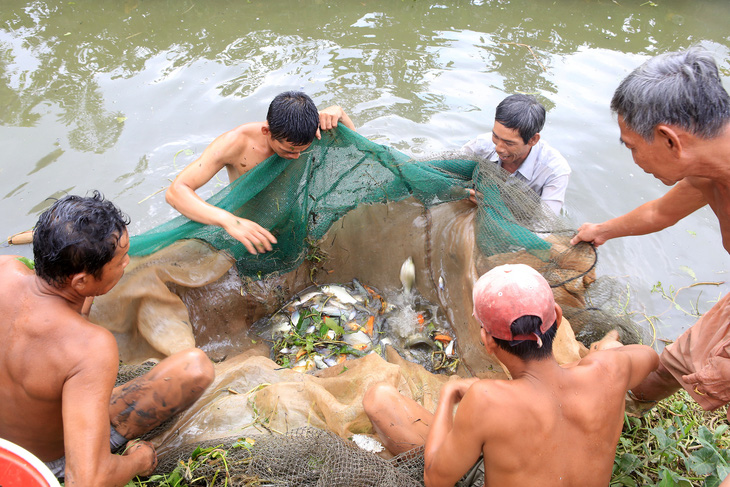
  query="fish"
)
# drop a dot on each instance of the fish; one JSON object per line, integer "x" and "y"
{"x": 449, "y": 350}
{"x": 408, "y": 275}
{"x": 340, "y": 293}
{"x": 359, "y": 340}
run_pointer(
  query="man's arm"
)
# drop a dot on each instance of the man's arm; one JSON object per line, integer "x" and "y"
{"x": 331, "y": 116}
{"x": 181, "y": 195}
{"x": 453, "y": 445}
{"x": 680, "y": 201}
{"x": 85, "y": 404}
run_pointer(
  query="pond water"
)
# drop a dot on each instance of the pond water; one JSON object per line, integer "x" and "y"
{"x": 120, "y": 96}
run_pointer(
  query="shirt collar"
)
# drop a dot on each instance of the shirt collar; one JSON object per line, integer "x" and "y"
{"x": 527, "y": 168}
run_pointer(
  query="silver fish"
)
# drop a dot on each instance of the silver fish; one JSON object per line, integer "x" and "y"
{"x": 449, "y": 351}
{"x": 358, "y": 340}
{"x": 408, "y": 275}
{"x": 340, "y": 293}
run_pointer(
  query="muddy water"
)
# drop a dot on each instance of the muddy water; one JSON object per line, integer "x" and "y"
{"x": 120, "y": 96}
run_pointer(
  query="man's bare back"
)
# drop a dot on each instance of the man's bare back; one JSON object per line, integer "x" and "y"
{"x": 549, "y": 425}
{"x": 45, "y": 342}
{"x": 57, "y": 370}
{"x": 577, "y": 412}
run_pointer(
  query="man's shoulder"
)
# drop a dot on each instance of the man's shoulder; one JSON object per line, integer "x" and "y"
{"x": 550, "y": 156}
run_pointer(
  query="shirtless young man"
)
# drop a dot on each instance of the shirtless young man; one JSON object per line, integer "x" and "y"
{"x": 549, "y": 425}
{"x": 291, "y": 125}
{"x": 57, "y": 370}
{"x": 674, "y": 116}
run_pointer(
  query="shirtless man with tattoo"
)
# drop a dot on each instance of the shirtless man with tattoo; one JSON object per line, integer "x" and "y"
{"x": 57, "y": 369}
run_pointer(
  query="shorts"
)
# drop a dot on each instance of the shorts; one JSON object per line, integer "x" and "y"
{"x": 58, "y": 467}
{"x": 700, "y": 358}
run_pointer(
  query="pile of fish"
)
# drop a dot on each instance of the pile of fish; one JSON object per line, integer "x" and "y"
{"x": 326, "y": 325}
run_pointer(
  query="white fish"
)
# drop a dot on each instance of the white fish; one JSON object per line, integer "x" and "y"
{"x": 319, "y": 362}
{"x": 340, "y": 293}
{"x": 408, "y": 275}
{"x": 449, "y": 351}
{"x": 305, "y": 298}
{"x": 358, "y": 340}
{"x": 330, "y": 361}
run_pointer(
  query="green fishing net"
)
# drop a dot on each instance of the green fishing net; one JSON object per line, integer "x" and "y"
{"x": 299, "y": 200}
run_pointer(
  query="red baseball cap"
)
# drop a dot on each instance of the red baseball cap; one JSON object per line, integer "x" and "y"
{"x": 511, "y": 291}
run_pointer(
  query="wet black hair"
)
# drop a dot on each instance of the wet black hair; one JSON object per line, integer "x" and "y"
{"x": 293, "y": 117}
{"x": 76, "y": 234}
{"x": 522, "y": 113}
{"x": 528, "y": 349}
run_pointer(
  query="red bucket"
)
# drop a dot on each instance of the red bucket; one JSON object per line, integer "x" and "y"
{"x": 20, "y": 468}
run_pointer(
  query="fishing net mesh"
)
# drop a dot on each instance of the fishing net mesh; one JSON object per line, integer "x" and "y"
{"x": 300, "y": 200}
{"x": 304, "y": 457}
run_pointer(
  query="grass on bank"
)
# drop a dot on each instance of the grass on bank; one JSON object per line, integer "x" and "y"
{"x": 674, "y": 444}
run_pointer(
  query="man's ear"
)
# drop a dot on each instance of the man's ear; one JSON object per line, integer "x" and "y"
{"x": 265, "y": 129}
{"x": 80, "y": 281}
{"x": 487, "y": 340}
{"x": 558, "y": 314}
{"x": 669, "y": 138}
{"x": 534, "y": 140}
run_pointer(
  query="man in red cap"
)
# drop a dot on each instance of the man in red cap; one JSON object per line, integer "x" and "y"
{"x": 549, "y": 425}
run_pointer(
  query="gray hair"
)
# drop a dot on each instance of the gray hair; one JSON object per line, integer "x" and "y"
{"x": 676, "y": 88}
{"x": 522, "y": 113}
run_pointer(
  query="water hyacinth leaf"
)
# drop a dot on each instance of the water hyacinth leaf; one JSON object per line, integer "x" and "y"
{"x": 628, "y": 462}
{"x": 723, "y": 471}
{"x": 671, "y": 479}
{"x": 663, "y": 440}
{"x": 706, "y": 438}
{"x": 702, "y": 461}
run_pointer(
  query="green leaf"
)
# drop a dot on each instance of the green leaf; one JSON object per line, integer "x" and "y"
{"x": 628, "y": 462}
{"x": 688, "y": 271}
{"x": 29, "y": 263}
{"x": 663, "y": 440}
{"x": 702, "y": 461}
{"x": 723, "y": 471}
{"x": 333, "y": 325}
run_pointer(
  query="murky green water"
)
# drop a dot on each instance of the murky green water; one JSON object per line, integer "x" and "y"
{"x": 120, "y": 96}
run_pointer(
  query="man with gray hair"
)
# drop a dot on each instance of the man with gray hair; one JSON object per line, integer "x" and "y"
{"x": 514, "y": 143}
{"x": 674, "y": 116}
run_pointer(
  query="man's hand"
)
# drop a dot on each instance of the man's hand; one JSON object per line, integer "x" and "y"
{"x": 591, "y": 233}
{"x": 330, "y": 117}
{"x": 146, "y": 455}
{"x": 253, "y": 236}
{"x": 473, "y": 195}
